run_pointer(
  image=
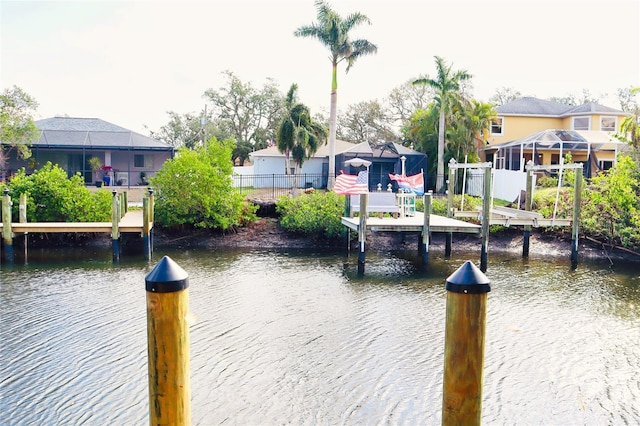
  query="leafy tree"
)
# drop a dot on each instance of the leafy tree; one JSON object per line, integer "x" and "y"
{"x": 249, "y": 115}
{"x": 52, "y": 197}
{"x": 447, "y": 86}
{"x": 575, "y": 100}
{"x": 333, "y": 32}
{"x": 407, "y": 98}
{"x": 421, "y": 134}
{"x": 630, "y": 126}
{"x": 504, "y": 95}
{"x": 17, "y": 128}
{"x": 366, "y": 121}
{"x": 181, "y": 130}
{"x": 298, "y": 136}
{"x": 611, "y": 205}
{"x": 195, "y": 189}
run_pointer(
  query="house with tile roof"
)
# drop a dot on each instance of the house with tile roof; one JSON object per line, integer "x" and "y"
{"x": 544, "y": 131}
{"x": 129, "y": 157}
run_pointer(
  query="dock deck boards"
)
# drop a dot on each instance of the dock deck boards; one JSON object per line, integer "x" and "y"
{"x": 132, "y": 221}
{"x": 413, "y": 223}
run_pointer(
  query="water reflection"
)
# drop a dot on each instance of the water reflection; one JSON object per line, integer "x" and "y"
{"x": 300, "y": 337}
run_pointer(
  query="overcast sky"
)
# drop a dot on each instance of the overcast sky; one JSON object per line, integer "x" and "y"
{"x": 129, "y": 62}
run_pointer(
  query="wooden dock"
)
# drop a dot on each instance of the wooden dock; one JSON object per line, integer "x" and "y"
{"x": 131, "y": 222}
{"x": 413, "y": 223}
{"x": 123, "y": 221}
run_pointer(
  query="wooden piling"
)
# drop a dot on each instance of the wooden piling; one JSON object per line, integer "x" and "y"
{"x": 115, "y": 232}
{"x": 7, "y": 232}
{"x": 152, "y": 213}
{"x": 451, "y": 189}
{"x": 22, "y": 218}
{"x": 146, "y": 241}
{"x": 486, "y": 217}
{"x": 168, "y": 344}
{"x": 467, "y": 290}
{"x": 347, "y": 213}
{"x": 576, "y": 218}
{"x": 425, "y": 229}
{"x": 362, "y": 233}
{"x": 528, "y": 206}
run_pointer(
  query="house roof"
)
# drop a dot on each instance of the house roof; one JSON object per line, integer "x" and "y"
{"x": 323, "y": 151}
{"x": 541, "y": 107}
{"x": 92, "y": 133}
{"x": 349, "y": 150}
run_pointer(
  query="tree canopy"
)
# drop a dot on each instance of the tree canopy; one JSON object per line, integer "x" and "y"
{"x": 17, "y": 128}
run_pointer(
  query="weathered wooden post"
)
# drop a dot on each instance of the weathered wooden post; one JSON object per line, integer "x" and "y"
{"x": 115, "y": 231}
{"x": 146, "y": 227}
{"x": 576, "y": 217}
{"x": 22, "y": 218}
{"x": 486, "y": 217}
{"x": 451, "y": 189}
{"x": 426, "y": 228}
{"x": 152, "y": 213}
{"x": 528, "y": 206}
{"x": 7, "y": 232}
{"x": 467, "y": 290}
{"x": 347, "y": 213}
{"x": 362, "y": 232}
{"x": 168, "y": 344}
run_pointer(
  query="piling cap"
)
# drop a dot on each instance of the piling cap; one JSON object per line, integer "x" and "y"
{"x": 468, "y": 279}
{"x": 166, "y": 277}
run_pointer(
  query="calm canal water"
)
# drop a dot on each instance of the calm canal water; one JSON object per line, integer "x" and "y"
{"x": 300, "y": 338}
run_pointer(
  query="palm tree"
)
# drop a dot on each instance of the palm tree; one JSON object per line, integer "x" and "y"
{"x": 298, "y": 136}
{"x": 333, "y": 32}
{"x": 447, "y": 87}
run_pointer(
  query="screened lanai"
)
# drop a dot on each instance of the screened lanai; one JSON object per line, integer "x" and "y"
{"x": 597, "y": 150}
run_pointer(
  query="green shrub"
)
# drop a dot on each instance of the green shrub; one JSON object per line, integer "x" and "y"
{"x": 547, "y": 182}
{"x": 52, "y": 197}
{"x": 611, "y": 205}
{"x": 317, "y": 214}
{"x": 195, "y": 188}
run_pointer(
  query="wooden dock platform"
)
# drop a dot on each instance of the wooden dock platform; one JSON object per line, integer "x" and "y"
{"x": 413, "y": 223}
{"x": 131, "y": 222}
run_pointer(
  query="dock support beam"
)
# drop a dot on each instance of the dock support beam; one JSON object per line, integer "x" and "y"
{"x": 426, "y": 228}
{"x": 466, "y": 314}
{"x": 451, "y": 189}
{"x": 362, "y": 233}
{"x": 7, "y": 232}
{"x": 146, "y": 239}
{"x": 576, "y": 218}
{"x": 486, "y": 216}
{"x": 115, "y": 232}
{"x": 528, "y": 206}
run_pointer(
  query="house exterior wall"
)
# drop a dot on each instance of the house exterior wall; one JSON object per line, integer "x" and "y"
{"x": 276, "y": 165}
{"x": 516, "y": 127}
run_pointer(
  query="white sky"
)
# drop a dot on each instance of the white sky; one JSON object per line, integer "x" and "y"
{"x": 130, "y": 62}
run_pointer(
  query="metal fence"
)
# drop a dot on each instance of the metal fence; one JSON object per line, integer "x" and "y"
{"x": 272, "y": 186}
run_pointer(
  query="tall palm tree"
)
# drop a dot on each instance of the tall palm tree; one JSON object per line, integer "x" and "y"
{"x": 298, "y": 136}
{"x": 333, "y": 32}
{"x": 447, "y": 86}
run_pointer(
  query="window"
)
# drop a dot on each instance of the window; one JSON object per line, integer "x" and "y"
{"x": 605, "y": 164}
{"x": 497, "y": 126}
{"x": 608, "y": 124}
{"x": 138, "y": 160}
{"x": 581, "y": 123}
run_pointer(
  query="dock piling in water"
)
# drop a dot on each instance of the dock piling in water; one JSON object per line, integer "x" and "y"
{"x": 168, "y": 344}
{"x": 466, "y": 312}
